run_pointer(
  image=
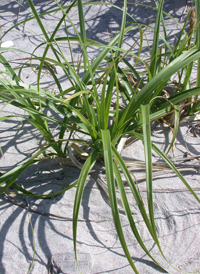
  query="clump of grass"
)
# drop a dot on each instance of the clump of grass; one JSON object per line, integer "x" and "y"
{"x": 148, "y": 91}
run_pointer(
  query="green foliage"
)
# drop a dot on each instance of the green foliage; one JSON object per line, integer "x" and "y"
{"x": 89, "y": 112}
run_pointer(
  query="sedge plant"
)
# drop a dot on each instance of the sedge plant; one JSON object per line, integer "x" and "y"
{"x": 98, "y": 116}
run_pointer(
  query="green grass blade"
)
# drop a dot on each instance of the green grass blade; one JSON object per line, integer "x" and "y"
{"x": 9, "y": 69}
{"x": 38, "y": 19}
{"x": 137, "y": 195}
{"x": 170, "y": 164}
{"x": 52, "y": 39}
{"x": 197, "y": 5}
{"x": 133, "y": 188}
{"x": 115, "y": 120}
{"x": 121, "y": 33}
{"x": 129, "y": 213}
{"x": 180, "y": 45}
{"x": 156, "y": 40}
{"x": 164, "y": 27}
{"x": 112, "y": 193}
{"x": 103, "y": 115}
{"x": 148, "y": 162}
{"x": 49, "y": 40}
{"x": 89, "y": 163}
{"x": 83, "y": 32}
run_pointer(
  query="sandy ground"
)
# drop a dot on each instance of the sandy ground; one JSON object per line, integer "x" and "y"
{"x": 177, "y": 213}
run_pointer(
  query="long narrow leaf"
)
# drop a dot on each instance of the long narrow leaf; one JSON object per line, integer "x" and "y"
{"x": 148, "y": 160}
{"x": 148, "y": 166}
{"x": 129, "y": 213}
{"x": 89, "y": 163}
{"x": 156, "y": 39}
{"x": 170, "y": 164}
{"x": 112, "y": 193}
